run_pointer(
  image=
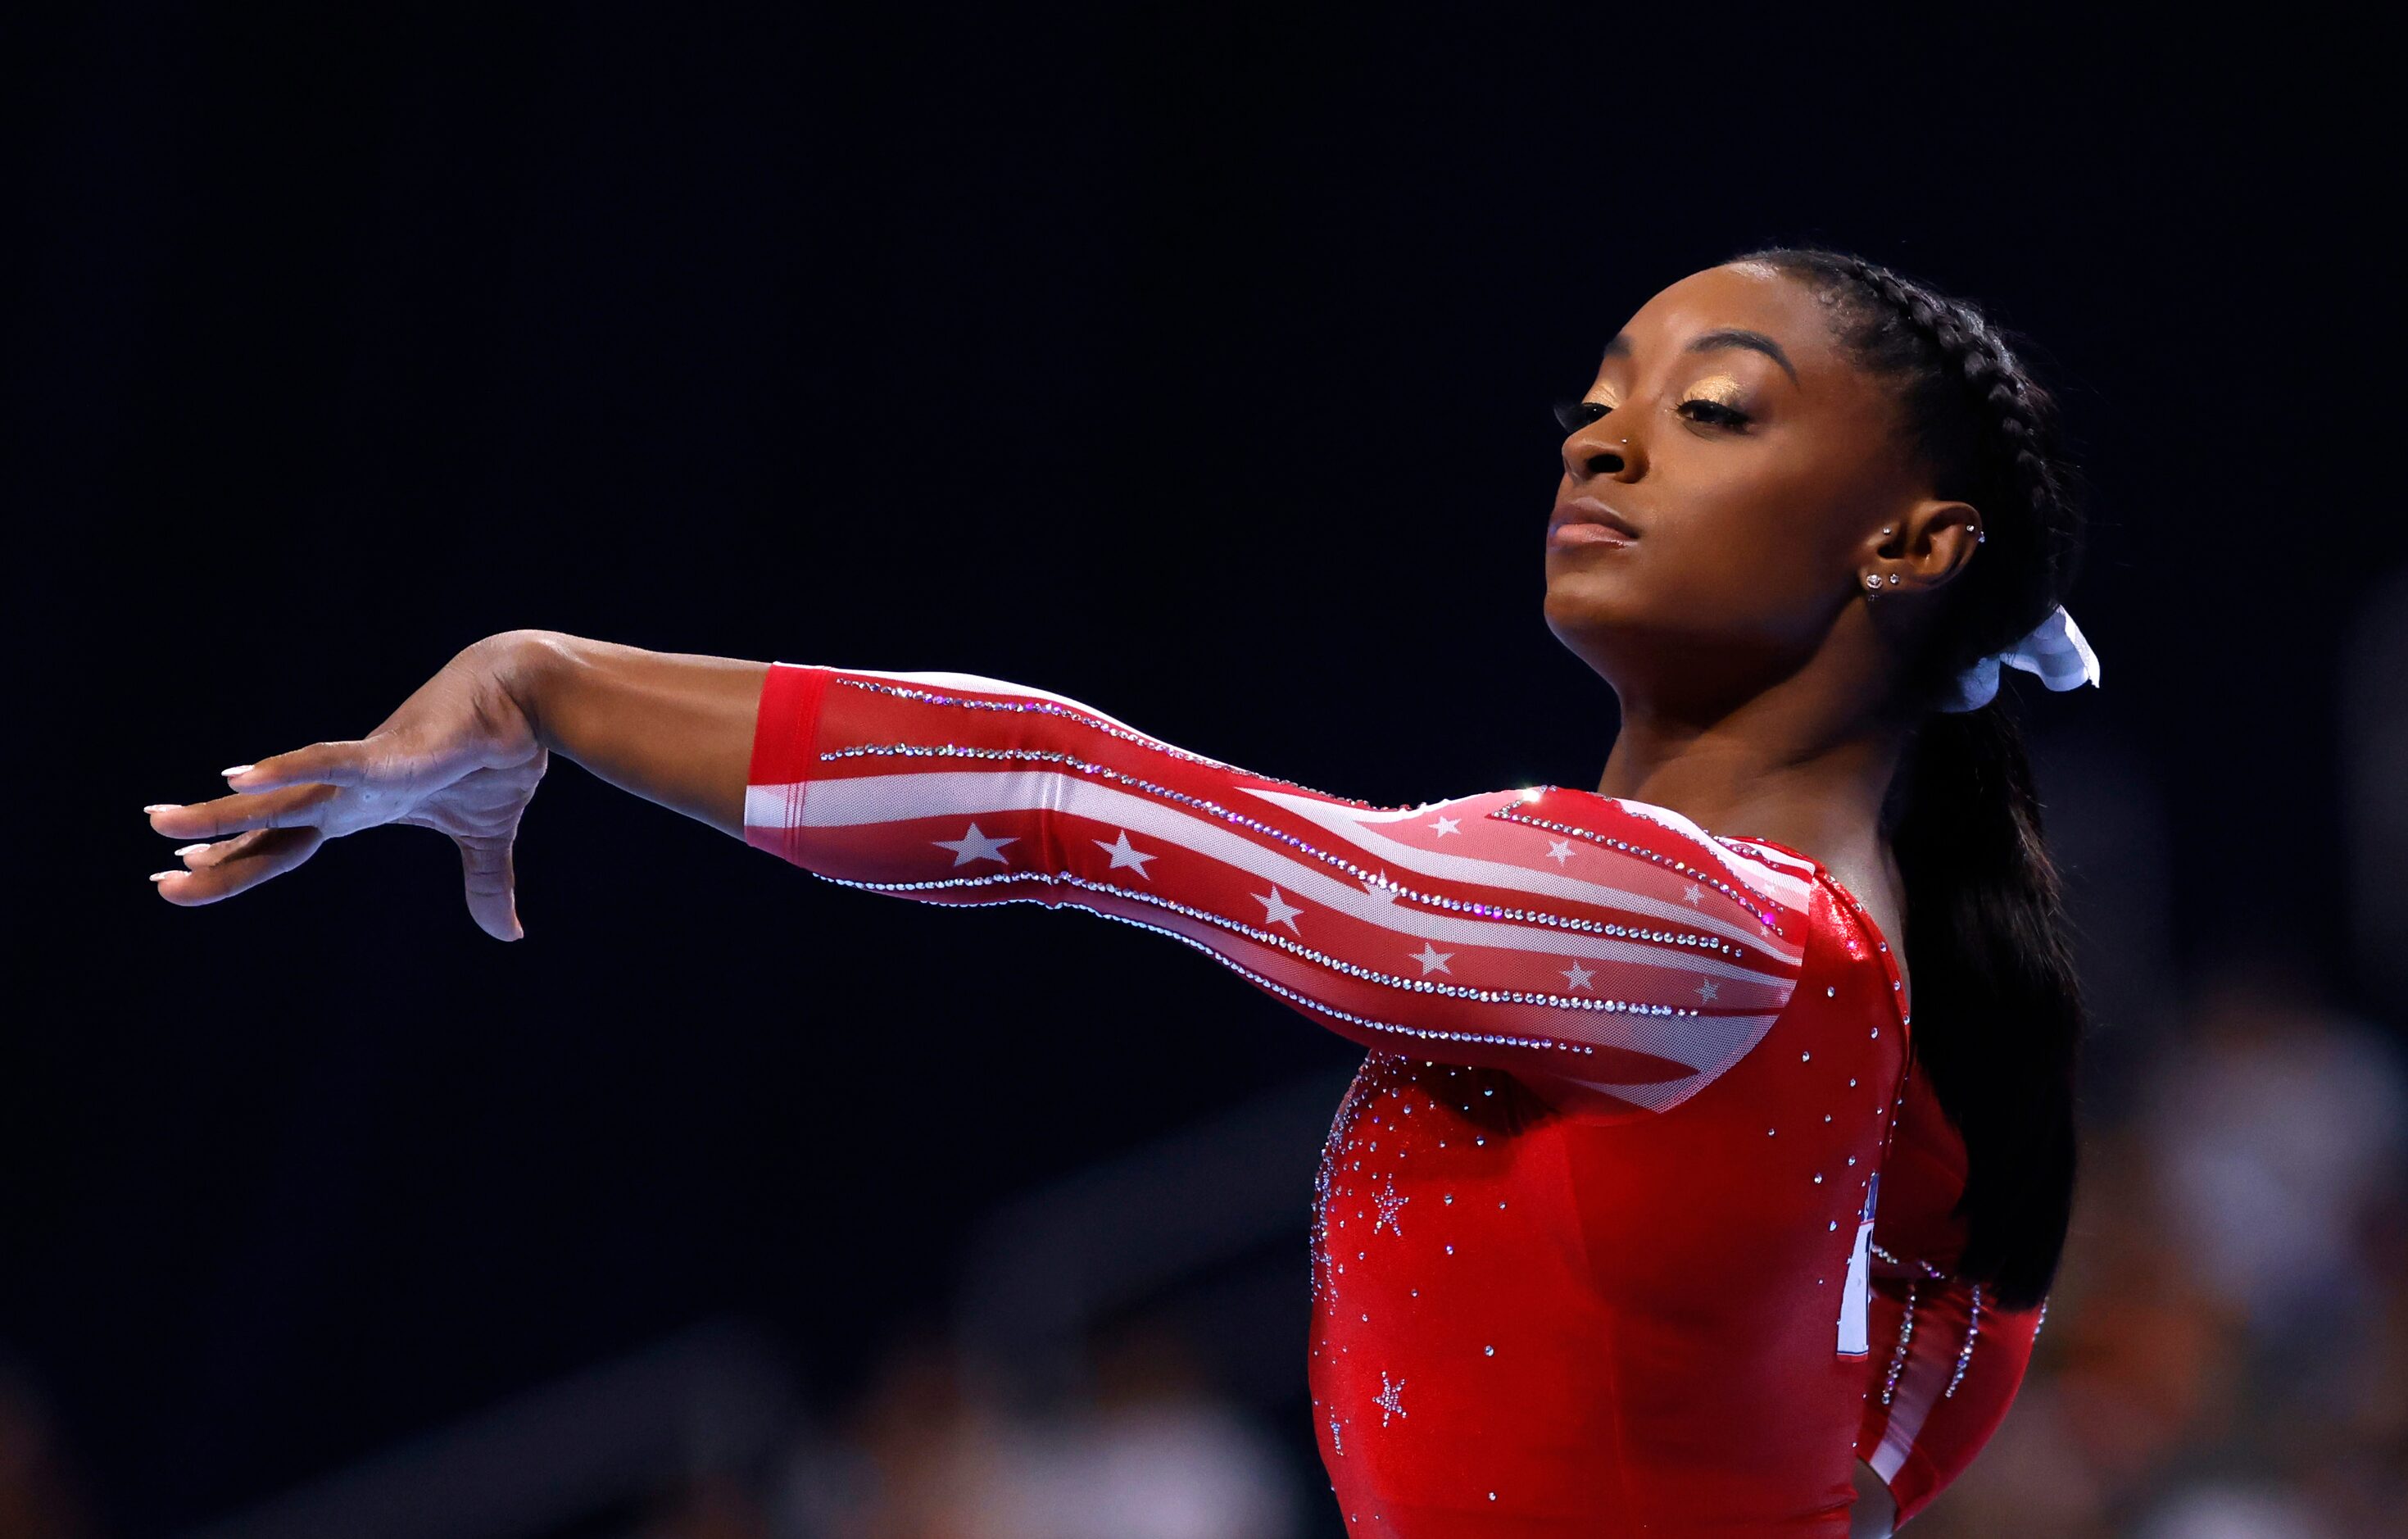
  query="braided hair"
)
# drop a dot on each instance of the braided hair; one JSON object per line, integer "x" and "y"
{"x": 1998, "y": 1004}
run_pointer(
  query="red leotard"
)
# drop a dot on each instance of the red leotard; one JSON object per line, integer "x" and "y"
{"x": 1598, "y": 1245}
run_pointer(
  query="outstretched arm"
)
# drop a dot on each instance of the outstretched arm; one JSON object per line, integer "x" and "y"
{"x": 1588, "y": 942}
{"x": 1595, "y": 944}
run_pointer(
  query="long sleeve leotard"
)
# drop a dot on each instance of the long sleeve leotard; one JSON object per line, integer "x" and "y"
{"x": 1634, "y": 1220}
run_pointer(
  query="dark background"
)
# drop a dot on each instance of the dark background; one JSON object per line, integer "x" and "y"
{"x": 1195, "y": 365}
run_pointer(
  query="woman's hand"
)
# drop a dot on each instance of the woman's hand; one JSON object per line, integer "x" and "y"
{"x": 461, "y": 756}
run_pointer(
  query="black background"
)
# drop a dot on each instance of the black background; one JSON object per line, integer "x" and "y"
{"x": 1192, "y": 364}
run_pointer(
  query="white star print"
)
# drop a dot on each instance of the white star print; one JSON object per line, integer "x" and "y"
{"x": 1446, "y": 826}
{"x": 1706, "y": 989}
{"x": 1696, "y": 895}
{"x": 1577, "y": 976}
{"x": 977, "y": 847}
{"x": 1389, "y": 1204}
{"x": 1389, "y": 1400}
{"x": 1124, "y": 854}
{"x": 1432, "y": 960}
{"x": 1279, "y": 911}
{"x": 1380, "y": 889}
{"x": 1559, "y": 851}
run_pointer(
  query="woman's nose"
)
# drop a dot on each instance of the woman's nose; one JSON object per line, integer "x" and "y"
{"x": 1600, "y": 449}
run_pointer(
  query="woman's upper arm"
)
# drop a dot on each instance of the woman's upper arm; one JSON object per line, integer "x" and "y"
{"x": 1554, "y": 933}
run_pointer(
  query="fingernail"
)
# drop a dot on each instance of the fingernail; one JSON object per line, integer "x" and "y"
{"x": 190, "y": 849}
{"x": 161, "y": 876}
{"x": 237, "y": 770}
{"x": 163, "y": 807}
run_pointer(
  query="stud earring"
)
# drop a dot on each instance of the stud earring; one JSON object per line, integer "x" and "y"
{"x": 1893, "y": 577}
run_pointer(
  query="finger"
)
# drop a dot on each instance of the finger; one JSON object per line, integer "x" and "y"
{"x": 347, "y": 763}
{"x": 493, "y": 886}
{"x": 294, "y": 807}
{"x": 271, "y": 854}
{"x": 201, "y": 856}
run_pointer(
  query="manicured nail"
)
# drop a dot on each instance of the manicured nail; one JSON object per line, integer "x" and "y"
{"x": 190, "y": 849}
{"x": 161, "y": 876}
{"x": 163, "y": 807}
{"x": 237, "y": 770}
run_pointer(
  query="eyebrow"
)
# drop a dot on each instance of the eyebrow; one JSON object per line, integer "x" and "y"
{"x": 1712, "y": 341}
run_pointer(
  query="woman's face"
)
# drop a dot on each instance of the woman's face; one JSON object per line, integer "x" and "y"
{"x": 1757, "y": 465}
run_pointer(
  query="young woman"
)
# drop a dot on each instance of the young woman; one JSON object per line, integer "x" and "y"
{"x": 1652, "y": 1210}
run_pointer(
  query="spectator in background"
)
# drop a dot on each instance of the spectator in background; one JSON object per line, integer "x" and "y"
{"x": 932, "y": 1455}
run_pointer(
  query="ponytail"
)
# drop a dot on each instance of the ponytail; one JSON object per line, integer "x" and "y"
{"x": 1997, "y": 1006}
{"x": 1995, "y": 994}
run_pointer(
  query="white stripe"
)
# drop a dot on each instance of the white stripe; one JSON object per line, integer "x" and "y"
{"x": 854, "y": 800}
{"x": 1353, "y": 827}
{"x": 1790, "y": 895}
{"x": 1917, "y": 1392}
{"x": 1797, "y": 875}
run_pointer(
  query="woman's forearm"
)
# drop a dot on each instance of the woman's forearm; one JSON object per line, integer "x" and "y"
{"x": 669, "y": 727}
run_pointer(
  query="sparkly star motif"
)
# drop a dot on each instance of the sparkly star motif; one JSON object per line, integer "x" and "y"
{"x": 1577, "y": 976}
{"x": 1446, "y": 826}
{"x": 1432, "y": 960}
{"x": 1389, "y": 1400}
{"x": 1706, "y": 989}
{"x": 1279, "y": 911}
{"x": 1559, "y": 850}
{"x": 1390, "y": 1204}
{"x": 977, "y": 847}
{"x": 1124, "y": 854}
{"x": 1695, "y": 895}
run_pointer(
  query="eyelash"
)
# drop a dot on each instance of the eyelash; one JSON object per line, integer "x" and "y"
{"x": 1575, "y": 415}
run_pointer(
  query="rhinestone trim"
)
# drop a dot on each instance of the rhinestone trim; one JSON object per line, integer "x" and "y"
{"x": 1898, "y": 1356}
{"x": 1928, "y": 1270}
{"x": 1049, "y": 708}
{"x": 1415, "y": 984}
{"x": 1295, "y": 947}
{"x": 1759, "y": 906}
{"x": 1965, "y": 1353}
{"x": 1378, "y": 880}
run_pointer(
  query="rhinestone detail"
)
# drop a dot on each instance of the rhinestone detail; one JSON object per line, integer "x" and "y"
{"x": 1419, "y": 985}
{"x": 1965, "y": 1353}
{"x": 1377, "y": 879}
{"x": 1759, "y": 906}
{"x": 1897, "y": 1356}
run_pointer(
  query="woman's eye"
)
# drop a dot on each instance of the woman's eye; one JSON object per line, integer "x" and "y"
{"x": 1715, "y": 413}
{"x": 1576, "y": 415}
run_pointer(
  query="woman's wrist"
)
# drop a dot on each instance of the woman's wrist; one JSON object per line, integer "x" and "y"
{"x": 672, "y": 727}
{"x": 527, "y": 667}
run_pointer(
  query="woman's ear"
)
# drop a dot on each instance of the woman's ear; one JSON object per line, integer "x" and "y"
{"x": 1935, "y": 540}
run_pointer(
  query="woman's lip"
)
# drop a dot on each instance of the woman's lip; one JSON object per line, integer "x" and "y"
{"x": 1583, "y": 532}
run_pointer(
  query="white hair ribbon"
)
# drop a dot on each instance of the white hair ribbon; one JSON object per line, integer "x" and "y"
{"x": 2055, "y": 649}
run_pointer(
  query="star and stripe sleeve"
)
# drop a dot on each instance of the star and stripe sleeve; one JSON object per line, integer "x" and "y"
{"x": 1607, "y": 944}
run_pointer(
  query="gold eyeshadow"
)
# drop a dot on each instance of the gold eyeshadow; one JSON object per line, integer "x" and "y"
{"x": 1721, "y": 389}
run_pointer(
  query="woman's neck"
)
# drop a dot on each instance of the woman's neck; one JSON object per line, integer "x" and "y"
{"x": 1759, "y": 774}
